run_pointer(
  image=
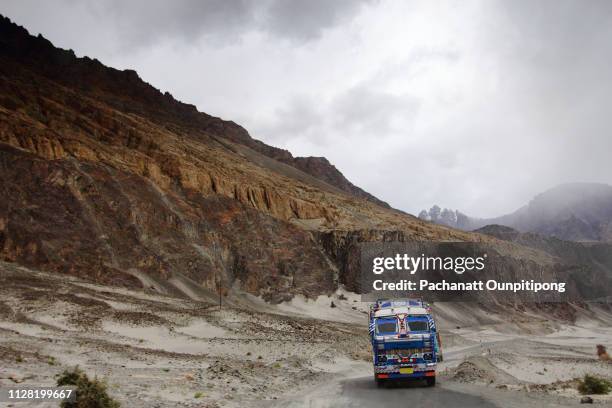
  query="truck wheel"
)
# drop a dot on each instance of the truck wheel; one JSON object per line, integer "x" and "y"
{"x": 379, "y": 382}
{"x": 431, "y": 381}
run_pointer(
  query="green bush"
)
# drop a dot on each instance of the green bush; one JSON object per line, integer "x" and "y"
{"x": 89, "y": 393}
{"x": 594, "y": 385}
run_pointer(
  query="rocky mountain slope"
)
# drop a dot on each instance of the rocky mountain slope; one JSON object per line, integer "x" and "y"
{"x": 127, "y": 92}
{"x": 574, "y": 212}
{"x": 592, "y": 260}
{"x": 106, "y": 178}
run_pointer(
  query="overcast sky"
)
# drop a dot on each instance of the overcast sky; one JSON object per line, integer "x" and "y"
{"x": 473, "y": 105}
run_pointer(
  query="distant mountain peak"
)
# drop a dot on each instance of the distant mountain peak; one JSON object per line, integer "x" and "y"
{"x": 570, "y": 211}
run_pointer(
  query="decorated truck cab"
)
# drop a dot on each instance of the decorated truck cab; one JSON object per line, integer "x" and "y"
{"x": 405, "y": 342}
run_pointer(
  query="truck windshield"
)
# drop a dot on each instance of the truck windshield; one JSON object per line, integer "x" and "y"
{"x": 418, "y": 325}
{"x": 387, "y": 326}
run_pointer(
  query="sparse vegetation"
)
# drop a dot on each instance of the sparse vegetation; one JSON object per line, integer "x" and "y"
{"x": 593, "y": 385}
{"x": 89, "y": 393}
{"x": 198, "y": 395}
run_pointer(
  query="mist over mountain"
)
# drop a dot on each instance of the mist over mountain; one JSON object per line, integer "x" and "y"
{"x": 573, "y": 212}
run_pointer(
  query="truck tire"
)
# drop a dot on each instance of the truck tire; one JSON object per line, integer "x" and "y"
{"x": 379, "y": 382}
{"x": 431, "y": 381}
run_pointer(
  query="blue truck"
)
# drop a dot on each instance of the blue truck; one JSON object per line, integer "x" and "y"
{"x": 405, "y": 342}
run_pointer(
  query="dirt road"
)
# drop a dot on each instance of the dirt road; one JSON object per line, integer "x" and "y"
{"x": 362, "y": 392}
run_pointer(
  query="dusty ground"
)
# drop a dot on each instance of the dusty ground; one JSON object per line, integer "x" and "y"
{"x": 158, "y": 351}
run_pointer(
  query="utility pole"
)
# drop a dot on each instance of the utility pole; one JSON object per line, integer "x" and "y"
{"x": 217, "y": 273}
{"x": 219, "y": 290}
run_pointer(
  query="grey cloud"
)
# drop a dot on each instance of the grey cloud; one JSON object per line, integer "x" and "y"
{"x": 298, "y": 118}
{"x": 359, "y": 112}
{"x": 373, "y": 113}
{"x": 144, "y": 23}
{"x": 304, "y": 20}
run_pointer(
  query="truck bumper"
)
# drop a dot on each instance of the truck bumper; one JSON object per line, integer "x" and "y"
{"x": 416, "y": 374}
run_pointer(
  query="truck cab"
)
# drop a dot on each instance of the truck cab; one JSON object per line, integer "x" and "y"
{"x": 405, "y": 343}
